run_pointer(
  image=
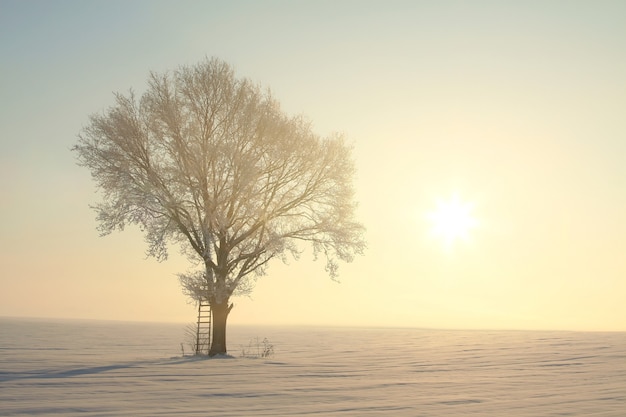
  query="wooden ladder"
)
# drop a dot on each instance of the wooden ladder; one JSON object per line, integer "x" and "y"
{"x": 203, "y": 332}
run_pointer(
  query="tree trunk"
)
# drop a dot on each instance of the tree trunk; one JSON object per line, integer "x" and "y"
{"x": 220, "y": 315}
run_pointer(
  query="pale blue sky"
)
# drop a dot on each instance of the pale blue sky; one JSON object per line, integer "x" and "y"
{"x": 516, "y": 106}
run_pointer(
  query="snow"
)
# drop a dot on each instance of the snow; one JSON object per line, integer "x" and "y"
{"x": 91, "y": 368}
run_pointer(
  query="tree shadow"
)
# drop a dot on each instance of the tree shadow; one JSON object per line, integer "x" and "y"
{"x": 91, "y": 370}
{"x": 68, "y": 373}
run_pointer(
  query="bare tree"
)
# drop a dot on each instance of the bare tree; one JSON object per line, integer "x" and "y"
{"x": 209, "y": 161}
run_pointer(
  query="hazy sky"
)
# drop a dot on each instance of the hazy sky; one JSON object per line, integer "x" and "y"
{"x": 517, "y": 108}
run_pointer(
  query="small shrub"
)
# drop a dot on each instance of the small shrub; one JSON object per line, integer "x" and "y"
{"x": 258, "y": 349}
{"x": 191, "y": 334}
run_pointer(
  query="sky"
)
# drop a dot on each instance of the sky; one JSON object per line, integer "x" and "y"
{"x": 513, "y": 109}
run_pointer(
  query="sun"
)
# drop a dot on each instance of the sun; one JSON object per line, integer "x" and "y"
{"x": 452, "y": 221}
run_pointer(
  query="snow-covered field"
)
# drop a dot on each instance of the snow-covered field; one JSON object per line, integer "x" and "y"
{"x": 95, "y": 368}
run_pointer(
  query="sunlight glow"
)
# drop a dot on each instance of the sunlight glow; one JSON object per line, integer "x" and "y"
{"x": 452, "y": 220}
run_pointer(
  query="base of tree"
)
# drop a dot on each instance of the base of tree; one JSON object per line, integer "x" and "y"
{"x": 220, "y": 316}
